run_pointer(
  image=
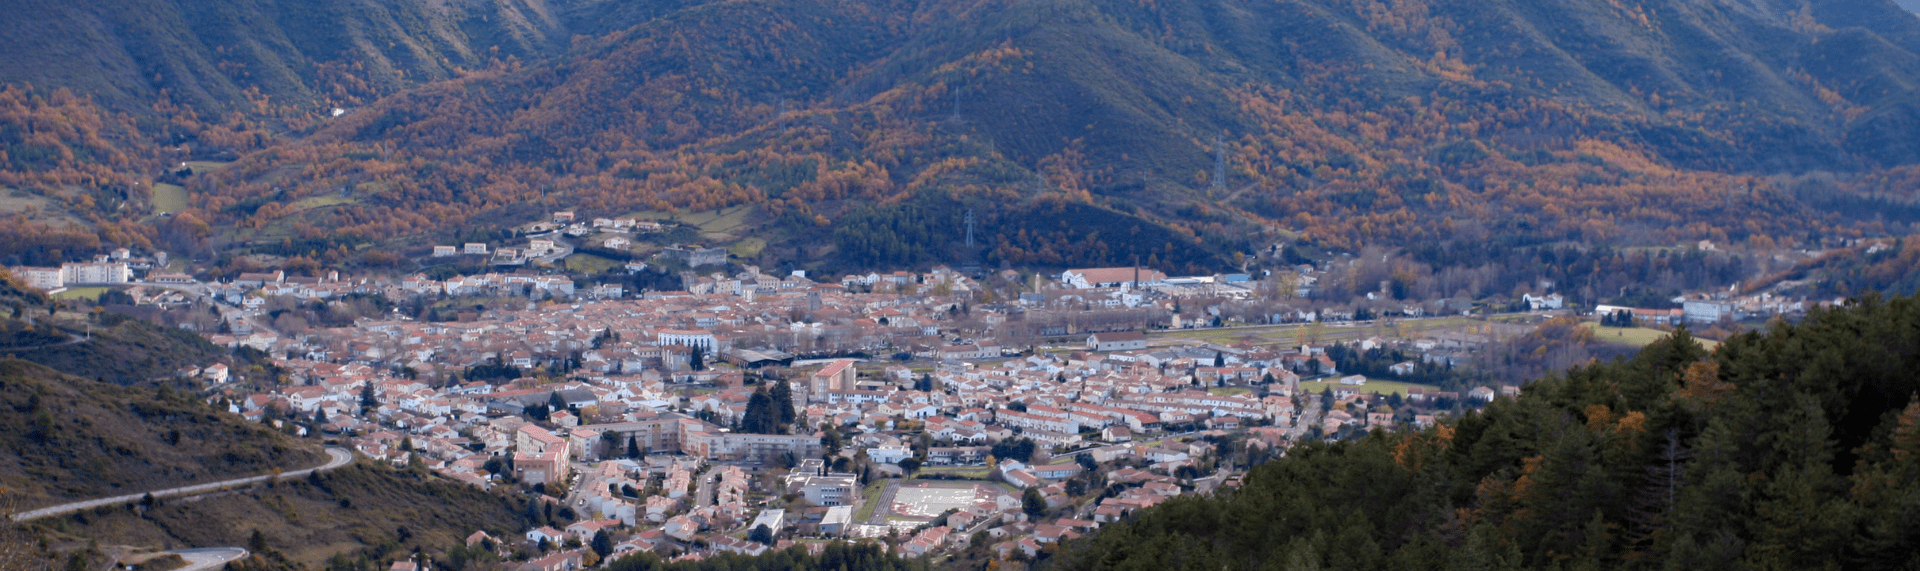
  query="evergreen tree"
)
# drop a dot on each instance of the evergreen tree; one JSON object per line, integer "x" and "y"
{"x": 602, "y": 543}
{"x": 1033, "y": 504}
{"x": 698, "y": 360}
{"x": 633, "y": 447}
{"x": 760, "y": 417}
{"x": 368, "y": 401}
{"x": 782, "y": 395}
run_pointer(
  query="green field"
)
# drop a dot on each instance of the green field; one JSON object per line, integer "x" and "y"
{"x": 747, "y": 248}
{"x": 92, "y": 293}
{"x": 207, "y": 166}
{"x": 714, "y": 224}
{"x": 323, "y": 200}
{"x": 1637, "y": 336}
{"x": 976, "y": 472}
{"x": 590, "y": 264}
{"x": 169, "y": 197}
{"x": 1372, "y": 386}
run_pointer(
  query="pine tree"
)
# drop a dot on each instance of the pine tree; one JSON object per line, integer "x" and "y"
{"x": 782, "y": 395}
{"x": 602, "y": 543}
{"x": 633, "y": 447}
{"x": 368, "y": 401}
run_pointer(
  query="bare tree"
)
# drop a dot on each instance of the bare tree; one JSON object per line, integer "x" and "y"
{"x": 18, "y": 550}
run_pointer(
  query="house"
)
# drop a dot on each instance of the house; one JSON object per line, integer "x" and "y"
{"x": 681, "y": 527}
{"x": 562, "y": 561}
{"x": 585, "y": 530}
{"x": 550, "y": 535}
{"x": 1117, "y": 341}
{"x": 1549, "y": 301}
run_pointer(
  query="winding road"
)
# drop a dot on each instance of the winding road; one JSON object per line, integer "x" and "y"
{"x": 338, "y": 457}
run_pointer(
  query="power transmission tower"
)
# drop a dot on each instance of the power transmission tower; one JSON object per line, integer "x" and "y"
{"x": 1219, "y": 163}
{"x": 969, "y": 228}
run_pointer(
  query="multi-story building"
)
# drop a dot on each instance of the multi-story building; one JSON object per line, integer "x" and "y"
{"x": 95, "y": 273}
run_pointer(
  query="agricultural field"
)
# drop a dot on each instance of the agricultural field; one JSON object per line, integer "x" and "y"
{"x": 90, "y": 293}
{"x": 169, "y": 198}
{"x": 1373, "y": 387}
{"x": 207, "y": 166}
{"x": 1637, "y": 336}
{"x": 590, "y": 264}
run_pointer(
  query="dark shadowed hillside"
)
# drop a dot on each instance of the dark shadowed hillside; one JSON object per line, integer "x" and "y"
{"x": 70, "y": 438}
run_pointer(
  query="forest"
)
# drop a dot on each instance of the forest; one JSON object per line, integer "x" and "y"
{"x": 1795, "y": 447}
{"x": 1079, "y": 132}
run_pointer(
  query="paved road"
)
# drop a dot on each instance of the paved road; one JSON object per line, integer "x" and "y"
{"x": 884, "y": 505}
{"x": 339, "y": 457}
{"x": 703, "y": 491}
{"x": 210, "y": 558}
{"x": 1308, "y": 417}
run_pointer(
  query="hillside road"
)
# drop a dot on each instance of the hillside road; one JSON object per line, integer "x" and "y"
{"x": 337, "y": 457}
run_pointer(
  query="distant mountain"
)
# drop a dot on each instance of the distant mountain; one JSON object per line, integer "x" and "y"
{"x": 70, "y": 438}
{"x": 209, "y": 53}
{"x": 1079, "y": 131}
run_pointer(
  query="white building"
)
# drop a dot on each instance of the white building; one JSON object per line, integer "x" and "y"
{"x": 1549, "y": 301}
{"x": 1090, "y": 278}
{"x": 686, "y": 338}
{"x": 1117, "y": 341}
{"x": 45, "y": 279}
{"x": 830, "y": 490}
{"x": 95, "y": 273}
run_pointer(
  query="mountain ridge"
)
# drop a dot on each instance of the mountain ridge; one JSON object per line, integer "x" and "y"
{"x": 1336, "y": 122}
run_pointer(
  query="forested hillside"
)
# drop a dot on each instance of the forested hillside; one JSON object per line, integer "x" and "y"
{"x": 1793, "y": 448}
{"x": 1079, "y": 131}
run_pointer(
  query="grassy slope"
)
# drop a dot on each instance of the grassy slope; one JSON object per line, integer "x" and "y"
{"x": 84, "y": 439}
{"x": 343, "y": 511}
